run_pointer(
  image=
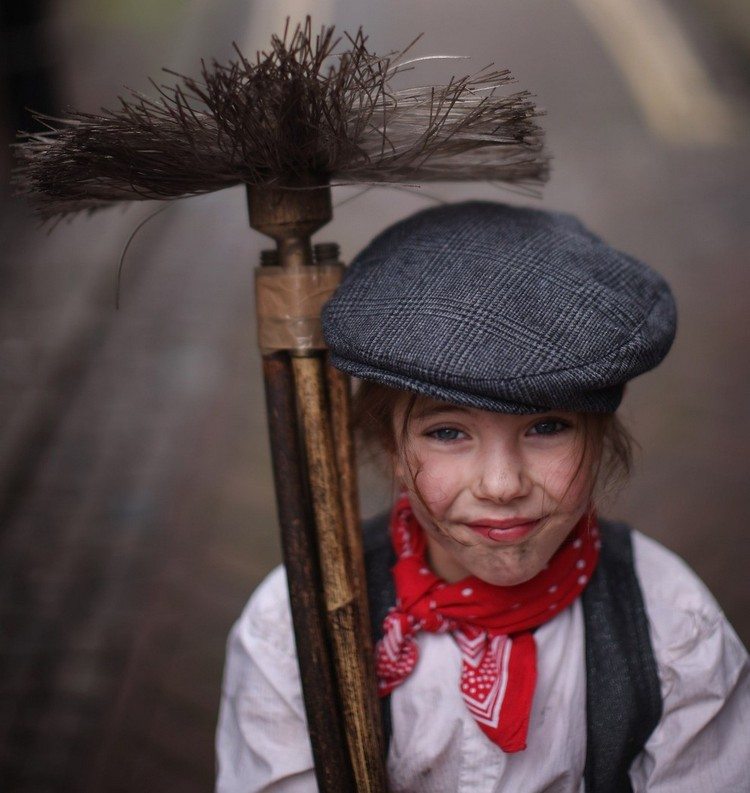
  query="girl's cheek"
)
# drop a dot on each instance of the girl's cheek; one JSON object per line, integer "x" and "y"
{"x": 565, "y": 476}
{"x": 433, "y": 486}
{"x": 571, "y": 484}
{"x": 437, "y": 484}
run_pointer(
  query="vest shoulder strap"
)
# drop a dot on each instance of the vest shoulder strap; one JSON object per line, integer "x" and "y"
{"x": 381, "y": 591}
{"x": 623, "y": 695}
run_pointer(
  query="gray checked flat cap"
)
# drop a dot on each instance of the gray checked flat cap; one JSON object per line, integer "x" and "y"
{"x": 500, "y": 308}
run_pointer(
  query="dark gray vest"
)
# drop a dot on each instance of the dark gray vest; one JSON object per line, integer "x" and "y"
{"x": 623, "y": 696}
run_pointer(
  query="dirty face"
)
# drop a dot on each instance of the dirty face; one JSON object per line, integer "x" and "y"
{"x": 495, "y": 493}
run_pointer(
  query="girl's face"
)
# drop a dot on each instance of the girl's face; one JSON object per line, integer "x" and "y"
{"x": 496, "y": 493}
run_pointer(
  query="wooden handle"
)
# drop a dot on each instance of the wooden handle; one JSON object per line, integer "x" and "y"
{"x": 339, "y": 393}
{"x": 290, "y": 217}
{"x": 351, "y": 660}
{"x": 340, "y": 412}
{"x": 333, "y": 768}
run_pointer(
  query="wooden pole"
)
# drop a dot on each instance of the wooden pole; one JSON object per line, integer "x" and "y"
{"x": 361, "y": 716}
{"x": 340, "y": 412}
{"x": 290, "y": 217}
{"x": 332, "y": 766}
{"x": 339, "y": 403}
{"x": 339, "y": 390}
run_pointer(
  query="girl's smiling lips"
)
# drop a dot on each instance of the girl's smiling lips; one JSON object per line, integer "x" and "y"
{"x": 508, "y": 530}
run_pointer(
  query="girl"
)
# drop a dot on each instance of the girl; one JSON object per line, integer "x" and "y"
{"x": 526, "y": 644}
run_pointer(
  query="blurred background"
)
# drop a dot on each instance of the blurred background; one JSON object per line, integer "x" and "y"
{"x": 136, "y": 509}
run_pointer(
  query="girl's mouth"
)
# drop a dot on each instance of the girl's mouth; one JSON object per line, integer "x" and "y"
{"x": 505, "y": 531}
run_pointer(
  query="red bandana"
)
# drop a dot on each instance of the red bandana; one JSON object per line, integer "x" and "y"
{"x": 492, "y": 625}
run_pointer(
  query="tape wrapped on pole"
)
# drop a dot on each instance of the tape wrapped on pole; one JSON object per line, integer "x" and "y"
{"x": 288, "y": 305}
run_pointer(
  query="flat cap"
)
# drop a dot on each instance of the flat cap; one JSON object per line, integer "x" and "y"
{"x": 501, "y": 308}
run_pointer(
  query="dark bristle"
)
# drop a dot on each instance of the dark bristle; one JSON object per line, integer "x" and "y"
{"x": 298, "y": 115}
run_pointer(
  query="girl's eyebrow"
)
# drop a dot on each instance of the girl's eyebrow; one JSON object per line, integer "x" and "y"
{"x": 432, "y": 410}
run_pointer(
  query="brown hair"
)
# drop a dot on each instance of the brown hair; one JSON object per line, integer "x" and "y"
{"x": 374, "y": 406}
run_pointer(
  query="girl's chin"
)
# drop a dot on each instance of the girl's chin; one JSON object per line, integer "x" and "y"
{"x": 508, "y": 578}
{"x": 459, "y": 556}
{"x": 505, "y": 579}
{"x": 511, "y": 573}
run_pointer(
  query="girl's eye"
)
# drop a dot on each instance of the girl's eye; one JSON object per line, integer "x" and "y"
{"x": 549, "y": 427}
{"x": 445, "y": 434}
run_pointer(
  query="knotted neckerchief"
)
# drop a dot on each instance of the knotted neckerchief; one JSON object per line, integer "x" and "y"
{"x": 492, "y": 625}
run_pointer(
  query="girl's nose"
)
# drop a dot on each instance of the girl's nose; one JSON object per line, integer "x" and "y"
{"x": 501, "y": 478}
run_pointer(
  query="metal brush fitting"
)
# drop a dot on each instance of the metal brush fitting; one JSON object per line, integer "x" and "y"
{"x": 290, "y": 216}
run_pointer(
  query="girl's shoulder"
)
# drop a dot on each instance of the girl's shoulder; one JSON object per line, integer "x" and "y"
{"x": 699, "y": 743}
{"x": 667, "y": 579}
{"x": 267, "y": 616}
{"x": 683, "y": 614}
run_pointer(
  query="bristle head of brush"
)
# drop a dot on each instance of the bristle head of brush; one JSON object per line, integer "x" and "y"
{"x": 299, "y": 114}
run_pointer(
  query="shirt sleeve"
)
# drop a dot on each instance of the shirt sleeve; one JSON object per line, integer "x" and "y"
{"x": 262, "y": 742}
{"x": 701, "y": 742}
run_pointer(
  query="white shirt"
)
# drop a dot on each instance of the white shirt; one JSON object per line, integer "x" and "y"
{"x": 701, "y": 744}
